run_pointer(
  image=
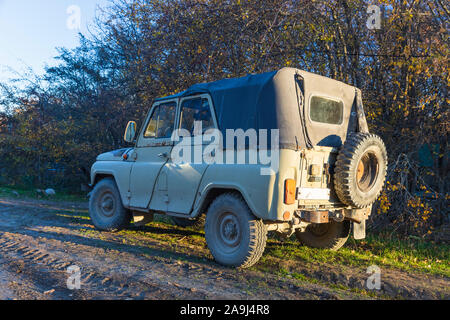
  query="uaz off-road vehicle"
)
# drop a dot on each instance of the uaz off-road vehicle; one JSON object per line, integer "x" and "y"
{"x": 330, "y": 168}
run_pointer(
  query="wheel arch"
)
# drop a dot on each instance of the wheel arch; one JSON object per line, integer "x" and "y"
{"x": 100, "y": 176}
{"x": 212, "y": 191}
{"x": 121, "y": 181}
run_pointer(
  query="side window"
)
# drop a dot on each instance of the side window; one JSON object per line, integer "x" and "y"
{"x": 326, "y": 110}
{"x": 196, "y": 110}
{"x": 161, "y": 121}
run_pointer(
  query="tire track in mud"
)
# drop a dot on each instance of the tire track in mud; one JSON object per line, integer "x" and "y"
{"x": 33, "y": 264}
{"x": 39, "y": 266}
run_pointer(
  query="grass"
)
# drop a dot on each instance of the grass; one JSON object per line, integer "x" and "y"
{"x": 22, "y": 193}
{"x": 408, "y": 255}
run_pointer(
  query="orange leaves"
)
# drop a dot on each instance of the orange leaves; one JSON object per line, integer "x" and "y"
{"x": 384, "y": 203}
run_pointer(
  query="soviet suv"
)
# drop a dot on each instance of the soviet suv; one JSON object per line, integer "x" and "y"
{"x": 321, "y": 172}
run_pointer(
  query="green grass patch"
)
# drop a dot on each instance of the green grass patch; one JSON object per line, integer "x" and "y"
{"x": 21, "y": 193}
{"x": 408, "y": 255}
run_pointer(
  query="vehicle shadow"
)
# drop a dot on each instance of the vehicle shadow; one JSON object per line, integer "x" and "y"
{"x": 76, "y": 220}
{"x": 69, "y": 221}
{"x": 171, "y": 231}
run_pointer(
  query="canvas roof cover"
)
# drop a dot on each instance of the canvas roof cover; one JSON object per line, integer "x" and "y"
{"x": 280, "y": 100}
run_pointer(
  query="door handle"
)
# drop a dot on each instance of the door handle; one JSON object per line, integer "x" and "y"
{"x": 163, "y": 155}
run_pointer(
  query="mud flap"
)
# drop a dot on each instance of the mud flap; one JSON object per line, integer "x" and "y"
{"x": 359, "y": 230}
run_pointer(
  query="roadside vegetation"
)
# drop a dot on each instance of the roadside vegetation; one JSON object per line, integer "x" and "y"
{"x": 27, "y": 193}
{"x": 404, "y": 254}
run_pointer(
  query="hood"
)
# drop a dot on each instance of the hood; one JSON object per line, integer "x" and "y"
{"x": 115, "y": 155}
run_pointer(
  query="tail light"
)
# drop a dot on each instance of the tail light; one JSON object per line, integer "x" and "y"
{"x": 289, "y": 191}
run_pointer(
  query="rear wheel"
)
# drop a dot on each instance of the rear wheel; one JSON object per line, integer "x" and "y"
{"x": 106, "y": 209}
{"x": 332, "y": 235}
{"x": 233, "y": 234}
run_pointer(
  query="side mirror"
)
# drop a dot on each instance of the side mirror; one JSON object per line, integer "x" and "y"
{"x": 130, "y": 132}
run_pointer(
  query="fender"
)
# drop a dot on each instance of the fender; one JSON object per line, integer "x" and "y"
{"x": 120, "y": 171}
{"x": 203, "y": 194}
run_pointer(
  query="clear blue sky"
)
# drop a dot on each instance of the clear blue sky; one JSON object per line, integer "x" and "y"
{"x": 30, "y": 30}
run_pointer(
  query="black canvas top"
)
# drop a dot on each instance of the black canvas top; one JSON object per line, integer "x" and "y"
{"x": 277, "y": 100}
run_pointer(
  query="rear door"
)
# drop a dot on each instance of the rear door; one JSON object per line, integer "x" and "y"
{"x": 316, "y": 166}
{"x": 184, "y": 178}
{"x": 152, "y": 152}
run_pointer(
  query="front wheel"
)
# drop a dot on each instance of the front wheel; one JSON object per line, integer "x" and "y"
{"x": 106, "y": 209}
{"x": 332, "y": 235}
{"x": 233, "y": 234}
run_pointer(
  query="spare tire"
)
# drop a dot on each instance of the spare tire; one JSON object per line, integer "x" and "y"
{"x": 360, "y": 170}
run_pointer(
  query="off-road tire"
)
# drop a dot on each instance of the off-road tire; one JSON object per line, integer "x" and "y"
{"x": 197, "y": 223}
{"x": 233, "y": 234}
{"x": 360, "y": 170}
{"x": 333, "y": 237}
{"x": 106, "y": 209}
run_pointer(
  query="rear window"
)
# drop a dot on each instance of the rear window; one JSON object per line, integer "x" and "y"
{"x": 326, "y": 110}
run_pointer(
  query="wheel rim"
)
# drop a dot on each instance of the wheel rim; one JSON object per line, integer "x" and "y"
{"x": 106, "y": 204}
{"x": 228, "y": 232}
{"x": 367, "y": 171}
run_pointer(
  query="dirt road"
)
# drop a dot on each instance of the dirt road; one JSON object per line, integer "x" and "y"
{"x": 39, "y": 241}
